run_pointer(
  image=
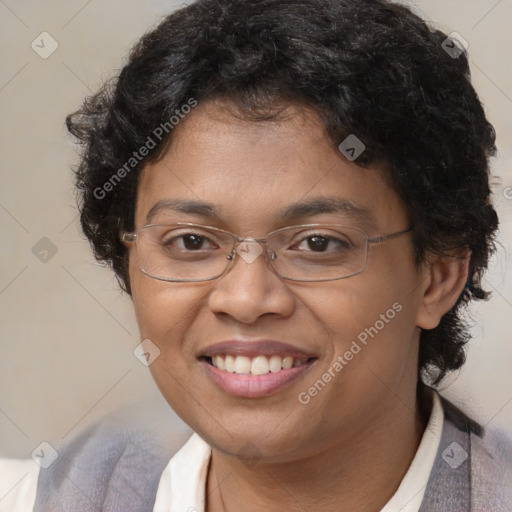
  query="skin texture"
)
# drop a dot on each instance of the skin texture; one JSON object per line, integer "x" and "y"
{"x": 362, "y": 430}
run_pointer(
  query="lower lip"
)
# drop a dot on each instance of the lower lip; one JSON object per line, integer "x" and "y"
{"x": 254, "y": 386}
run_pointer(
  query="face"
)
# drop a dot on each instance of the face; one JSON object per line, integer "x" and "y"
{"x": 356, "y": 338}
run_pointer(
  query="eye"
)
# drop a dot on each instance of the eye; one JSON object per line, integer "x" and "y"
{"x": 188, "y": 242}
{"x": 322, "y": 243}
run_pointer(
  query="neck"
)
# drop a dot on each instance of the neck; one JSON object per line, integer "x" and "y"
{"x": 359, "y": 473}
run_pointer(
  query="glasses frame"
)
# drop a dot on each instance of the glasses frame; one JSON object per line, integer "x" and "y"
{"x": 132, "y": 237}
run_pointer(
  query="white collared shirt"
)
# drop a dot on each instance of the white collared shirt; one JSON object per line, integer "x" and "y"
{"x": 182, "y": 485}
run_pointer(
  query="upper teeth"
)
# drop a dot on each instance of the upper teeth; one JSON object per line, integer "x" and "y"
{"x": 259, "y": 365}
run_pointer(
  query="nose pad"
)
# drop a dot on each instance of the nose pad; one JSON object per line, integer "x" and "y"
{"x": 249, "y": 250}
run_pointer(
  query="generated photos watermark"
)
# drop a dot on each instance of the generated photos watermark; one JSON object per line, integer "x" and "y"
{"x": 44, "y": 455}
{"x": 151, "y": 142}
{"x": 44, "y": 45}
{"x": 455, "y": 45}
{"x": 454, "y": 455}
{"x": 352, "y": 147}
{"x": 146, "y": 352}
{"x": 356, "y": 346}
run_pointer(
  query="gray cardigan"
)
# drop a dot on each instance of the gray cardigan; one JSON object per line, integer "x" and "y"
{"x": 112, "y": 470}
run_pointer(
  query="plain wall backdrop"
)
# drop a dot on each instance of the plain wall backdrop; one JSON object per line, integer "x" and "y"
{"x": 67, "y": 332}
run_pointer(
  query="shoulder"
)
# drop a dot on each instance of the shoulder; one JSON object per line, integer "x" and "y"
{"x": 104, "y": 463}
{"x": 114, "y": 464}
{"x": 491, "y": 470}
{"x": 477, "y": 459}
{"x": 107, "y": 466}
{"x": 490, "y": 448}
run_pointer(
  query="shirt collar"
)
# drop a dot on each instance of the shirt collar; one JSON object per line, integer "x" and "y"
{"x": 183, "y": 482}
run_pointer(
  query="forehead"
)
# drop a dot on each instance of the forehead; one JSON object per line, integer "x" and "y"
{"x": 250, "y": 174}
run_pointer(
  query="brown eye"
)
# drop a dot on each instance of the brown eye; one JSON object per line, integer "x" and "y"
{"x": 322, "y": 243}
{"x": 188, "y": 242}
{"x": 192, "y": 242}
{"x": 318, "y": 243}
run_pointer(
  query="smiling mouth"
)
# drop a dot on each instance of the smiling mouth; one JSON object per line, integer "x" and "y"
{"x": 257, "y": 365}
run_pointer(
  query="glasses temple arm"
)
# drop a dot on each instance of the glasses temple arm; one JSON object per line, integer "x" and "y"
{"x": 387, "y": 237}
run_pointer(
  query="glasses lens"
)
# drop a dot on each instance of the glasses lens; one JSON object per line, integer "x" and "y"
{"x": 183, "y": 253}
{"x": 318, "y": 253}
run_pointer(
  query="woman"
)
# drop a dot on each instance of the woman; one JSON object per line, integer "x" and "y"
{"x": 295, "y": 195}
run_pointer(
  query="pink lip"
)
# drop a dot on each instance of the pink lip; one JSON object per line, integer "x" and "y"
{"x": 253, "y": 348}
{"x": 256, "y": 386}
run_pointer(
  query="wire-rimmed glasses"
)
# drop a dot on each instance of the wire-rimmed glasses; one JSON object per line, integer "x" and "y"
{"x": 186, "y": 252}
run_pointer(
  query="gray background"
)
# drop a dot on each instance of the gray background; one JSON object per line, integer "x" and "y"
{"x": 67, "y": 332}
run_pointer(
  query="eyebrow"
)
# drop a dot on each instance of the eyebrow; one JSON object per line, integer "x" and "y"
{"x": 187, "y": 206}
{"x": 319, "y": 205}
{"x": 288, "y": 213}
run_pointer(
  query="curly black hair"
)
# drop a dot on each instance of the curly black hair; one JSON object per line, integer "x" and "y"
{"x": 371, "y": 68}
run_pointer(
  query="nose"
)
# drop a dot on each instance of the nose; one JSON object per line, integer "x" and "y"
{"x": 250, "y": 288}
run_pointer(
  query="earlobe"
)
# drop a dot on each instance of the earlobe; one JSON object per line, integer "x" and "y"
{"x": 444, "y": 284}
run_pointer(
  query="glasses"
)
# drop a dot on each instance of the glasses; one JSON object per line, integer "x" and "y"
{"x": 185, "y": 252}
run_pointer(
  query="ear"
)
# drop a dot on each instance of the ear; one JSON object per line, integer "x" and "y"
{"x": 444, "y": 281}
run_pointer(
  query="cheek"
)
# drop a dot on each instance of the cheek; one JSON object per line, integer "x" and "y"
{"x": 159, "y": 306}
{"x": 372, "y": 347}
{"x": 165, "y": 313}
{"x": 371, "y": 316}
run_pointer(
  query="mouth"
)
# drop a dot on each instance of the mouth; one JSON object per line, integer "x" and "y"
{"x": 259, "y": 365}
{"x": 253, "y": 369}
